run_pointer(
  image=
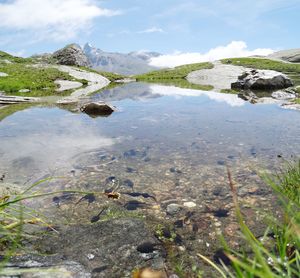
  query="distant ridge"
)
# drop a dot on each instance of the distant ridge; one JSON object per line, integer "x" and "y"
{"x": 122, "y": 63}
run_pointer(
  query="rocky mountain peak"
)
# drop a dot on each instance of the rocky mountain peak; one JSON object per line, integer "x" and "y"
{"x": 71, "y": 55}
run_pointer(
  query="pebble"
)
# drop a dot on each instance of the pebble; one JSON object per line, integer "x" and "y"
{"x": 189, "y": 204}
{"x": 173, "y": 209}
{"x": 90, "y": 256}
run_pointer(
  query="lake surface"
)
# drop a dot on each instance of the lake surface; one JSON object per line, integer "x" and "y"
{"x": 164, "y": 145}
{"x": 155, "y": 128}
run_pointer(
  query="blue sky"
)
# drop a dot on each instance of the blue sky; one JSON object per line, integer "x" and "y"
{"x": 165, "y": 26}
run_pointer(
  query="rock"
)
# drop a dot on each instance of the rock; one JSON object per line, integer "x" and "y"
{"x": 71, "y": 55}
{"x": 262, "y": 80}
{"x": 293, "y": 106}
{"x": 189, "y": 204}
{"x": 95, "y": 109}
{"x": 67, "y": 85}
{"x": 15, "y": 99}
{"x": 24, "y": 91}
{"x": 290, "y": 55}
{"x": 248, "y": 96}
{"x": 3, "y": 74}
{"x": 35, "y": 266}
{"x": 114, "y": 244}
{"x": 283, "y": 95}
{"x": 172, "y": 209}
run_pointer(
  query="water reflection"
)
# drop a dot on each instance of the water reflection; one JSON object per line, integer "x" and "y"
{"x": 165, "y": 127}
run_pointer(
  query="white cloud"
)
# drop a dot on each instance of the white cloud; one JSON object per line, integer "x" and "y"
{"x": 54, "y": 19}
{"x": 234, "y": 49}
{"x": 151, "y": 30}
{"x": 230, "y": 99}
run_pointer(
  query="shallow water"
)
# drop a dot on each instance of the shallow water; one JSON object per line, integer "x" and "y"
{"x": 163, "y": 145}
{"x": 155, "y": 128}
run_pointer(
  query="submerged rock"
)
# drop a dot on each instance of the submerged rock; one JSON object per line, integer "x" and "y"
{"x": 262, "y": 80}
{"x": 172, "y": 209}
{"x": 36, "y": 266}
{"x": 95, "y": 109}
{"x": 115, "y": 245}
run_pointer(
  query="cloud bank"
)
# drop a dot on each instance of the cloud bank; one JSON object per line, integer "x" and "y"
{"x": 55, "y": 19}
{"x": 232, "y": 50}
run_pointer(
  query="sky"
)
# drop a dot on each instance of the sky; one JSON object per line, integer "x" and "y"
{"x": 180, "y": 29}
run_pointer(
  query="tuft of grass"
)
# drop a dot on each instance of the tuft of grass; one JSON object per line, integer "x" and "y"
{"x": 179, "y": 72}
{"x": 265, "y": 261}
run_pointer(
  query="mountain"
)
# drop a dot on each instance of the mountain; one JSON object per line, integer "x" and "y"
{"x": 71, "y": 55}
{"x": 290, "y": 55}
{"x": 130, "y": 63}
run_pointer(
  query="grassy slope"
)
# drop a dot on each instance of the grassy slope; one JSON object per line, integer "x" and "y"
{"x": 175, "y": 76}
{"x": 22, "y": 74}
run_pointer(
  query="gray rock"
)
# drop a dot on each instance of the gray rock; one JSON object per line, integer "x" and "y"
{"x": 3, "y": 74}
{"x": 95, "y": 109}
{"x": 283, "y": 95}
{"x": 24, "y": 91}
{"x": 115, "y": 245}
{"x": 290, "y": 55}
{"x": 36, "y": 266}
{"x": 71, "y": 55}
{"x": 262, "y": 80}
{"x": 173, "y": 209}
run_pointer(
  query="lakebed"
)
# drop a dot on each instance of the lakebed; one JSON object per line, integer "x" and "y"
{"x": 165, "y": 150}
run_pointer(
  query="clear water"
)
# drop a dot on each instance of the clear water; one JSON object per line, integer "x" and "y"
{"x": 166, "y": 140}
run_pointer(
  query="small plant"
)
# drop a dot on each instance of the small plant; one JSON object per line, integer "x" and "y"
{"x": 282, "y": 258}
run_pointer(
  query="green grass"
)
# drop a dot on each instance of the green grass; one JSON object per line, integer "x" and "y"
{"x": 13, "y": 59}
{"x": 229, "y": 91}
{"x": 262, "y": 259}
{"x": 267, "y": 64}
{"x": 40, "y": 81}
{"x": 180, "y": 72}
{"x": 291, "y": 70}
{"x": 297, "y": 101}
{"x": 176, "y": 76}
{"x": 13, "y": 108}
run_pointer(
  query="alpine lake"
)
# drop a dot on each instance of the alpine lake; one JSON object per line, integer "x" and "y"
{"x": 165, "y": 151}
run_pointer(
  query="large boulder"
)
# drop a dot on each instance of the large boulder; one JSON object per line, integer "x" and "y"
{"x": 99, "y": 108}
{"x": 71, "y": 55}
{"x": 262, "y": 80}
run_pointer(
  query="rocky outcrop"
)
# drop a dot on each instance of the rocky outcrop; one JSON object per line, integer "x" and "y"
{"x": 262, "y": 80}
{"x": 95, "y": 109}
{"x": 71, "y": 55}
{"x": 290, "y": 55}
